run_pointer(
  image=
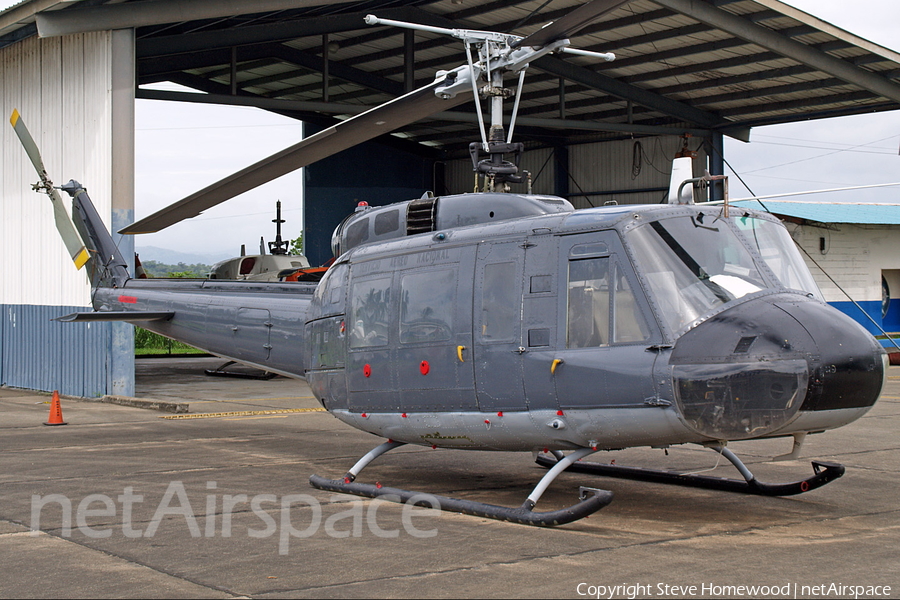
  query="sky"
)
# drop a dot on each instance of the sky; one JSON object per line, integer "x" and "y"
{"x": 181, "y": 147}
{"x": 828, "y": 153}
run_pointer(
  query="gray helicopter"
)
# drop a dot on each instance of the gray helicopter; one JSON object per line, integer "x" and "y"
{"x": 512, "y": 322}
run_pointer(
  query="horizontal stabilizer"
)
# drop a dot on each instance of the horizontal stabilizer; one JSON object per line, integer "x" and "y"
{"x": 115, "y": 315}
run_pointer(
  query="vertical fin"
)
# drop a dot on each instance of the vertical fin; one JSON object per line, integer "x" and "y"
{"x": 682, "y": 170}
{"x": 107, "y": 268}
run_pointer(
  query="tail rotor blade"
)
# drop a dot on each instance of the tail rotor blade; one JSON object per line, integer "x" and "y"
{"x": 31, "y": 148}
{"x": 64, "y": 225}
{"x": 66, "y": 228}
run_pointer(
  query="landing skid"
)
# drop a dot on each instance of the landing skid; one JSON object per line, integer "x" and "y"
{"x": 591, "y": 499}
{"x": 824, "y": 472}
{"x": 222, "y": 372}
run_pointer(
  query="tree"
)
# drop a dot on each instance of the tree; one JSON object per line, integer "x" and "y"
{"x": 296, "y": 246}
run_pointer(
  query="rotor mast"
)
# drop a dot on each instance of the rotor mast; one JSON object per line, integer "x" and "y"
{"x": 497, "y": 54}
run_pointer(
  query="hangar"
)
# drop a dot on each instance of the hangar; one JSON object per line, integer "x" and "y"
{"x": 593, "y": 132}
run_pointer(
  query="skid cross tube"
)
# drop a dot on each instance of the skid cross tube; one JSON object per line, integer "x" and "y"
{"x": 823, "y": 472}
{"x": 590, "y": 500}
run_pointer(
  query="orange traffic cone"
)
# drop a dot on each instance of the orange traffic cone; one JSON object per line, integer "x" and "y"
{"x": 55, "y": 412}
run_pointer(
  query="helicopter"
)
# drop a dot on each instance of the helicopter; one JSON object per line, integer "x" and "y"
{"x": 513, "y": 322}
{"x": 274, "y": 265}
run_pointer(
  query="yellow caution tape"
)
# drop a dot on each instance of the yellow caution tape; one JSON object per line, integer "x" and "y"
{"x": 244, "y": 413}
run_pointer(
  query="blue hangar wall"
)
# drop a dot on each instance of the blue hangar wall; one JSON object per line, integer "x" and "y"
{"x": 372, "y": 172}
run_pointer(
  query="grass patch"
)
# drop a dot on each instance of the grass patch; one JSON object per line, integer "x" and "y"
{"x": 147, "y": 342}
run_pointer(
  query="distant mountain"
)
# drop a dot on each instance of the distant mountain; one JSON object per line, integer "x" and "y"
{"x": 173, "y": 257}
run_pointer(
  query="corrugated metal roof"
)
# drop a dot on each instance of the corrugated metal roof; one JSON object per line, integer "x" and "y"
{"x": 714, "y": 65}
{"x": 829, "y": 212}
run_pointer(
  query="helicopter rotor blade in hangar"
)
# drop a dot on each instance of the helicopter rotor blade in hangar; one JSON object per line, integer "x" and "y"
{"x": 382, "y": 119}
{"x": 64, "y": 225}
{"x": 406, "y": 109}
{"x": 570, "y": 24}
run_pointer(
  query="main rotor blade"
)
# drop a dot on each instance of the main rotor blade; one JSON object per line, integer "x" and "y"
{"x": 401, "y": 111}
{"x": 570, "y": 24}
{"x": 64, "y": 225}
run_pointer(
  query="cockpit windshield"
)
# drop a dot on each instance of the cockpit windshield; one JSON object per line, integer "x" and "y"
{"x": 695, "y": 263}
{"x": 776, "y": 247}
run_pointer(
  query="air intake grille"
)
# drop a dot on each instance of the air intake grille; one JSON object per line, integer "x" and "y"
{"x": 420, "y": 216}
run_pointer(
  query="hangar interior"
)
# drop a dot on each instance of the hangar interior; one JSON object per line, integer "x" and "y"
{"x": 687, "y": 74}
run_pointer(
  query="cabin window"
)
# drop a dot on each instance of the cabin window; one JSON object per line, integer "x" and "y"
{"x": 427, "y": 304}
{"x": 327, "y": 343}
{"x": 330, "y": 290}
{"x": 588, "y": 303}
{"x": 500, "y": 302}
{"x": 370, "y": 302}
{"x": 628, "y": 321}
{"x": 357, "y": 233}
{"x": 247, "y": 266}
{"x": 387, "y": 222}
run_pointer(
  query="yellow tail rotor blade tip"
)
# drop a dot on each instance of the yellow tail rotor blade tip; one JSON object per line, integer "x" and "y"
{"x": 14, "y": 118}
{"x": 81, "y": 258}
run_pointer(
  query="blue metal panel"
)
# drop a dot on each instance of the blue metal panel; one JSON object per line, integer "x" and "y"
{"x": 369, "y": 172}
{"x": 40, "y": 354}
{"x": 891, "y": 321}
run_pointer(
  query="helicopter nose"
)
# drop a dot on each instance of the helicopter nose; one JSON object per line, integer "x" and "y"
{"x": 775, "y": 365}
{"x": 850, "y": 368}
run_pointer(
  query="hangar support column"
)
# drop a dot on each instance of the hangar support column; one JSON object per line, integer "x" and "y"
{"x": 717, "y": 165}
{"x": 121, "y": 370}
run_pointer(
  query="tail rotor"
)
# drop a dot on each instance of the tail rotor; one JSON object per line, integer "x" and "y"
{"x": 64, "y": 225}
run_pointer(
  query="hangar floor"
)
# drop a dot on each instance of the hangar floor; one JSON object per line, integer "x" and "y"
{"x": 130, "y": 504}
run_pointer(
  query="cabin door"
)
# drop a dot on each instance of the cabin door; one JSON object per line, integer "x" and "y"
{"x": 604, "y": 330}
{"x": 497, "y": 327}
{"x": 432, "y": 355}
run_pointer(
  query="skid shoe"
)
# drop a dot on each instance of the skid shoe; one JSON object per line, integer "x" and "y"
{"x": 591, "y": 500}
{"x": 823, "y": 472}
